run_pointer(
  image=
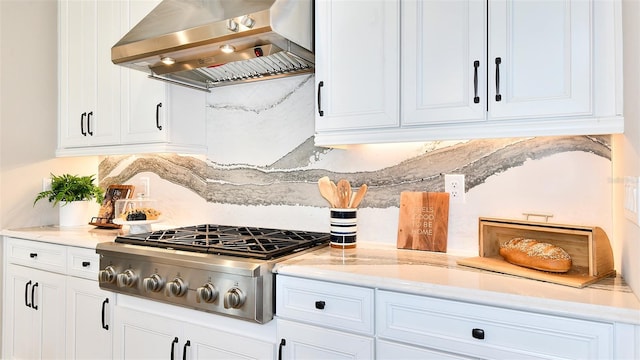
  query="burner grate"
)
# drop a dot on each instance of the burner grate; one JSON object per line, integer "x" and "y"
{"x": 241, "y": 241}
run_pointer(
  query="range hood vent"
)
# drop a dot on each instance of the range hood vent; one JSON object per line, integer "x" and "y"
{"x": 182, "y": 41}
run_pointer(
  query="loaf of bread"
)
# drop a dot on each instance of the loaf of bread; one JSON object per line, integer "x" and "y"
{"x": 536, "y": 255}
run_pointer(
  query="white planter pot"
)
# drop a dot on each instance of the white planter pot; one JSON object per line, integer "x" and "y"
{"x": 74, "y": 213}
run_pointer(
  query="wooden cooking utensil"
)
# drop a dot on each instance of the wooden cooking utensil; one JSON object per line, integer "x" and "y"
{"x": 344, "y": 193}
{"x": 336, "y": 200}
{"x": 327, "y": 190}
{"x": 359, "y": 196}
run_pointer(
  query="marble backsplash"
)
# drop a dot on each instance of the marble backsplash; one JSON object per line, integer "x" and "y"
{"x": 262, "y": 168}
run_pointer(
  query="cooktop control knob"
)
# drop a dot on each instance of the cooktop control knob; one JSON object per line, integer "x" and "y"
{"x": 234, "y": 298}
{"x": 177, "y": 287}
{"x": 153, "y": 283}
{"x": 108, "y": 275}
{"x": 206, "y": 293}
{"x": 127, "y": 278}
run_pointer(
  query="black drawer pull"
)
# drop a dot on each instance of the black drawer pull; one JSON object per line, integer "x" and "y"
{"x": 104, "y": 306}
{"x": 26, "y": 294}
{"x": 320, "y": 85}
{"x": 320, "y": 305}
{"x": 84, "y": 133}
{"x": 33, "y": 255}
{"x": 33, "y": 301}
{"x": 477, "y": 334}
{"x": 86, "y": 264}
{"x": 476, "y": 98}
{"x": 184, "y": 349}
{"x": 283, "y": 343}
{"x": 173, "y": 345}
{"x": 158, "y": 116}
{"x": 498, "y": 62}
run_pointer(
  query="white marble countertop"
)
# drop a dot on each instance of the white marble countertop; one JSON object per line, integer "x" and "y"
{"x": 382, "y": 266}
{"x": 81, "y": 236}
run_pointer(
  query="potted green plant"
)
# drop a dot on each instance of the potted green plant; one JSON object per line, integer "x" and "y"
{"x": 75, "y": 193}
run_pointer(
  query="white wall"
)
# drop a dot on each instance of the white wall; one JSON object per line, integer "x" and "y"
{"x": 28, "y": 115}
{"x": 626, "y": 147}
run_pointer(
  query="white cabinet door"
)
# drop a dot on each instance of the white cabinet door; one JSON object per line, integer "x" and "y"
{"x": 89, "y": 100}
{"x": 144, "y": 102}
{"x": 33, "y": 320}
{"x": 139, "y": 335}
{"x": 207, "y": 343}
{"x": 301, "y": 341}
{"x": 357, "y": 64}
{"x": 89, "y": 320}
{"x": 154, "y": 111}
{"x": 142, "y": 335}
{"x": 444, "y": 65}
{"x": 540, "y": 55}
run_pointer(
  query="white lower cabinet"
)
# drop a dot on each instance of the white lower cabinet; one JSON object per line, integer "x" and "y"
{"x": 303, "y": 341}
{"x": 143, "y": 335}
{"x": 33, "y": 320}
{"x": 53, "y": 306}
{"x": 323, "y": 320}
{"x": 89, "y": 320}
{"x": 326, "y": 320}
{"x": 476, "y": 331}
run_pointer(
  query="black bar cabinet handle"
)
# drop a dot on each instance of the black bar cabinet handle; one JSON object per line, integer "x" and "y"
{"x": 26, "y": 294}
{"x": 476, "y": 98}
{"x": 33, "y": 255}
{"x": 184, "y": 349}
{"x": 84, "y": 133}
{"x": 104, "y": 306}
{"x": 477, "y": 334}
{"x": 283, "y": 342}
{"x": 498, "y": 62}
{"x": 158, "y": 116}
{"x": 320, "y": 85}
{"x": 89, "y": 115}
{"x": 173, "y": 345}
{"x": 33, "y": 301}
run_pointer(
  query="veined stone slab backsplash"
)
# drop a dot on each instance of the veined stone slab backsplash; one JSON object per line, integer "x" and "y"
{"x": 262, "y": 169}
{"x": 292, "y": 181}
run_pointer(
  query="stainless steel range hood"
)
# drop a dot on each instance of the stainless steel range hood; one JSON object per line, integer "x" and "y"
{"x": 269, "y": 39}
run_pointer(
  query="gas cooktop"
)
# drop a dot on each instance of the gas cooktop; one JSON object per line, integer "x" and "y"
{"x": 242, "y": 241}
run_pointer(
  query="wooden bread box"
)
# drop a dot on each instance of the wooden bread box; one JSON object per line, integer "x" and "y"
{"x": 588, "y": 246}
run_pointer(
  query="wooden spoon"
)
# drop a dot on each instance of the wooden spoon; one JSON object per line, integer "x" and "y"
{"x": 336, "y": 200}
{"x": 359, "y": 196}
{"x": 327, "y": 191}
{"x": 344, "y": 193}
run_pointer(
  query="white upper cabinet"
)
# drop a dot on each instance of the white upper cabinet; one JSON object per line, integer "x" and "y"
{"x": 169, "y": 117}
{"x": 107, "y": 109}
{"x": 540, "y": 58}
{"x": 478, "y": 69}
{"x": 444, "y": 61}
{"x": 357, "y": 64}
{"x": 89, "y": 101}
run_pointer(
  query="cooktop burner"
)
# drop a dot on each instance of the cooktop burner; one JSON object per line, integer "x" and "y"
{"x": 242, "y": 241}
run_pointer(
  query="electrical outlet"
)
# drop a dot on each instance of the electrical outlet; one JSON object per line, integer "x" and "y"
{"x": 144, "y": 184}
{"x": 454, "y": 185}
{"x": 46, "y": 184}
{"x": 632, "y": 198}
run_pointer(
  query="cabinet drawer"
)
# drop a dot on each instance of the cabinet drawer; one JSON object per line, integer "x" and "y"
{"x": 332, "y": 305}
{"x": 487, "y": 331}
{"x": 83, "y": 263}
{"x": 36, "y": 254}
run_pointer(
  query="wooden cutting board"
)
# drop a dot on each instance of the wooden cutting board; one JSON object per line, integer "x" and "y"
{"x": 424, "y": 221}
